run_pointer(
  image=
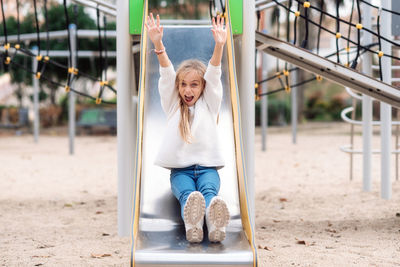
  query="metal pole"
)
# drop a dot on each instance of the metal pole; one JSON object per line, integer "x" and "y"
{"x": 246, "y": 84}
{"x": 367, "y": 105}
{"x": 386, "y": 110}
{"x": 353, "y": 117}
{"x": 294, "y": 115}
{"x": 397, "y": 145}
{"x": 264, "y": 103}
{"x": 36, "y": 122}
{"x": 71, "y": 95}
{"x": 264, "y": 89}
{"x": 126, "y": 119}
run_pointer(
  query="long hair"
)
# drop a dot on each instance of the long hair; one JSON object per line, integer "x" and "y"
{"x": 185, "y": 67}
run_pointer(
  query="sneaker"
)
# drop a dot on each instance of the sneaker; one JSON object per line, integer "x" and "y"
{"x": 217, "y": 218}
{"x": 193, "y": 214}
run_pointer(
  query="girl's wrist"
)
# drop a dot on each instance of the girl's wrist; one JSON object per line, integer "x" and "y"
{"x": 159, "y": 46}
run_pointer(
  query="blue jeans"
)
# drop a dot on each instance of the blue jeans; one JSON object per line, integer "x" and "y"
{"x": 194, "y": 178}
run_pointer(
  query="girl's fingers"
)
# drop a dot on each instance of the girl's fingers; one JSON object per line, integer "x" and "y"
{"x": 222, "y": 22}
{"x": 213, "y": 22}
{"x": 152, "y": 18}
{"x": 158, "y": 21}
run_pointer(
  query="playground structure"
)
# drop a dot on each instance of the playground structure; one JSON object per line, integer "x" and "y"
{"x": 144, "y": 206}
{"x": 41, "y": 59}
{"x": 365, "y": 49}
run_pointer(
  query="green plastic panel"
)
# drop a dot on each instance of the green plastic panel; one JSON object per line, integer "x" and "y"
{"x": 135, "y": 16}
{"x": 236, "y": 11}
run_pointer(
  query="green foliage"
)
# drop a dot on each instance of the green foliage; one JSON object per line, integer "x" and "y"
{"x": 326, "y": 104}
{"x": 278, "y": 111}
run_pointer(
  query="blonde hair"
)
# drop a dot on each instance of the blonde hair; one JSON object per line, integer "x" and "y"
{"x": 185, "y": 67}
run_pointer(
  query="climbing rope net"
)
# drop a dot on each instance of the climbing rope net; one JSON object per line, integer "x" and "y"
{"x": 344, "y": 33}
{"x": 295, "y": 11}
{"x": 72, "y": 73}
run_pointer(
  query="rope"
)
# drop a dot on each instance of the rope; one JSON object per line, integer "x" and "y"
{"x": 278, "y": 15}
{"x": 100, "y": 67}
{"x": 319, "y": 28}
{"x": 5, "y": 35}
{"x": 354, "y": 65}
{"x": 29, "y": 53}
{"x": 348, "y": 23}
{"x": 305, "y": 41}
{"x": 37, "y": 27}
{"x": 70, "y": 67}
{"x": 348, "y": 34}
{"x": 329, "y": 31}
{"x": 47, "y": 28}
{"x": 55, "y": 83}
{"x": 101, "y": 63}
{"x": 297, "y": 13}
{"x": 378, "y": 21}
{"x": 222, "y": 6}
{"x": 68, "y": 31}
{"x": 293, "y": 86}
{"x": 211, "y": 7}
{"x": 18, "y": 25}
{"x": 337, "y": 31}
{"x": 105, "y": 48}
{"x": 287, "y": 39}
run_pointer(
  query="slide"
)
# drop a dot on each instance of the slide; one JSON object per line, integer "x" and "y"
{"x": 158, "y": 234}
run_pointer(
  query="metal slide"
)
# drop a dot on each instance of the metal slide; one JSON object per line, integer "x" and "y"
{"x": 158, "y": 235}
{"x": 330, "y": 70}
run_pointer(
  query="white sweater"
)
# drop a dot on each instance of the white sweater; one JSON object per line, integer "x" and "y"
{"x": 204, "y": 149}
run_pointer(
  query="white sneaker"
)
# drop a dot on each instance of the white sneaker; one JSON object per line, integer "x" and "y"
{"x": 193, "y": 214}
{"x": 217, "y": 218}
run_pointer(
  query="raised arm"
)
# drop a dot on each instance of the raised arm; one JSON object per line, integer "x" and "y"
{"x": 213, "y": 90}
{"x": 219, "y": 34}
{"x": 155, "y": 32}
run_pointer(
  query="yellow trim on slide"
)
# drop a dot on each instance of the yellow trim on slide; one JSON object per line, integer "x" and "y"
{"x": 240, "y": 166}
{"x": 140, "y": 112}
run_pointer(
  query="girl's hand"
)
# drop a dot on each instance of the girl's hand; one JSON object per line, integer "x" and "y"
{"x": 219, "y": 31}
{"x": 155, "y": 31}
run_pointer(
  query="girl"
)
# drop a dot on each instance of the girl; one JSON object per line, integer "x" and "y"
{"x": 191, "y": 99}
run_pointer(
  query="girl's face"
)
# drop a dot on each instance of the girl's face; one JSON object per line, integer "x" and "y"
{"x": 190, "y": 87}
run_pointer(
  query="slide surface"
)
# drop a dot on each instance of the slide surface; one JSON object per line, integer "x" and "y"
{"x": 161, "y": 238}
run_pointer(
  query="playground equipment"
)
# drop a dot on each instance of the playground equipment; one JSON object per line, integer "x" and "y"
{"x": 367, "y": 106}
{"x": 328, "y": 69}
{"x": 344, "y": 74}
{"x": 157, "y": 230}
{"x": 41, "y": 59}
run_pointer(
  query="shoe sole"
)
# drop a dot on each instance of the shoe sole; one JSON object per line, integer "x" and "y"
{"x": 193, "y": 214}
{"x": 219, "y": 217}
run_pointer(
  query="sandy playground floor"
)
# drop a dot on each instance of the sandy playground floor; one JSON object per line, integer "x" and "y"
{"x": 61, "y": 210}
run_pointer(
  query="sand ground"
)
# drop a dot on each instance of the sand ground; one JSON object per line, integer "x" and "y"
{"x": 61, "y": 210}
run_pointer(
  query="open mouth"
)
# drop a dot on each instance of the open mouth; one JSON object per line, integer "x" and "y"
{"x": 189, "y": 99}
